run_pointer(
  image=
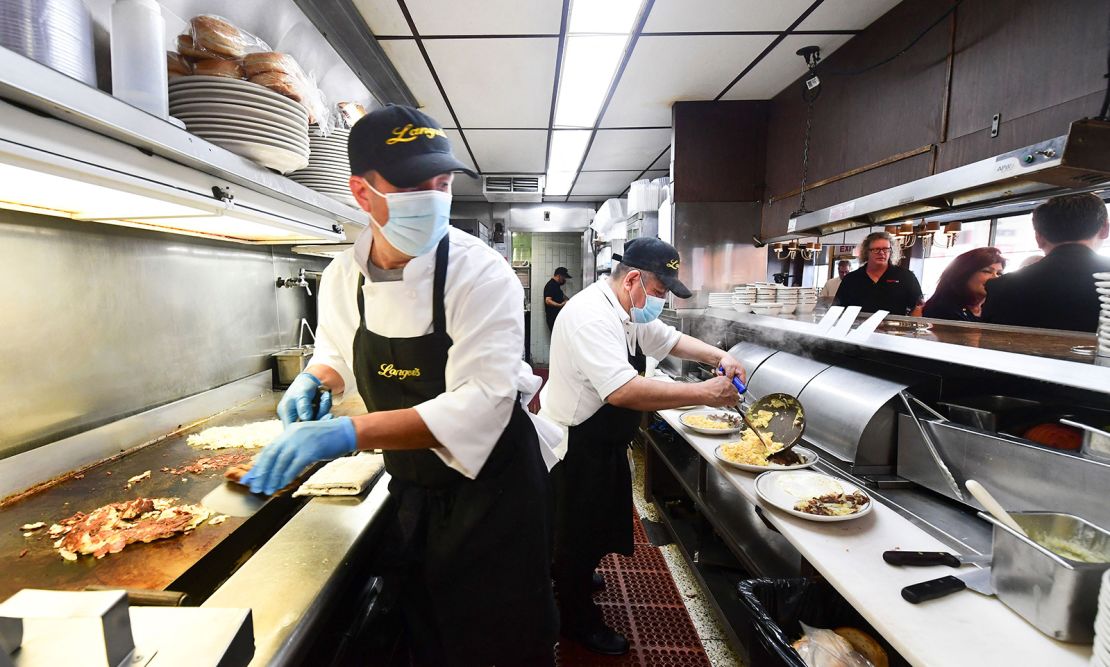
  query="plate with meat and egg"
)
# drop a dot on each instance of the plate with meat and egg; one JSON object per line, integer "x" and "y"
{"x": 812, "y": 495}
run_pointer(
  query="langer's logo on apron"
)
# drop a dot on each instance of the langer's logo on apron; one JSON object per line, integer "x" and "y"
{"x": 388, "y": 371}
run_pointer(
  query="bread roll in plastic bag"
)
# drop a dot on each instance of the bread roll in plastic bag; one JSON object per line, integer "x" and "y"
{"x": 825, "y": 648}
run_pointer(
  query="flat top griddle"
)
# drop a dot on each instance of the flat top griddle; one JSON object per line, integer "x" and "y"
{"x": 153, "y": 566}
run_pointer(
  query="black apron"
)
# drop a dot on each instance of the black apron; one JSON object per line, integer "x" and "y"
{"x": 593, "y": 484}
{"x": 468, "y": 559}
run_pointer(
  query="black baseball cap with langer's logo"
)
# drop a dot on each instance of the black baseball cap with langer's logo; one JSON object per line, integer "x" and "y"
{"x": 404, "y": 145}
{"x": 658, "y": 257}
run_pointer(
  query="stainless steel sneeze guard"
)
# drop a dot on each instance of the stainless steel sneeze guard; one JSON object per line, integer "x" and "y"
{"x": 1023, "y": 476}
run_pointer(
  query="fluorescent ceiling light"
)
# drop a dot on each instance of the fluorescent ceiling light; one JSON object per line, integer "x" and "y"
{"x": 603, "y": 16}
{"x": 567, "y": 149}
{"x": 589, "y": 62}
{"x": 559, "y": 183}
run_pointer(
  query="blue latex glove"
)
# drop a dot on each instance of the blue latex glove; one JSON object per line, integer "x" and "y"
{"x": 302, "y": 443}
{"x": 296, "y": 403}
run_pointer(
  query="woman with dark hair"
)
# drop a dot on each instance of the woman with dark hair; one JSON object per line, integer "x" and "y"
{"x": 963, "y": 285}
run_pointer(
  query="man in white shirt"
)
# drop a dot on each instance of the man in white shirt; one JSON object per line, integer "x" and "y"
{"x": 595, "y": 392}
{"x": 828, "y": 291}
{"x": 426, "y": 323}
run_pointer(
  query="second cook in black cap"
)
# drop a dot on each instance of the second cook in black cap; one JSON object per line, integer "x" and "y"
{"x": 553, "y": 296}
{"x": 594, "y": 390}
{"x": 426, "y": 323}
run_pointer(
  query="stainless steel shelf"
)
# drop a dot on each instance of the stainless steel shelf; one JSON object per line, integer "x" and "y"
{"x": 38, "y": 87}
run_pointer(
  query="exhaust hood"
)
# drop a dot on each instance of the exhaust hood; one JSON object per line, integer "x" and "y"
{"x": 1078, "y": 161}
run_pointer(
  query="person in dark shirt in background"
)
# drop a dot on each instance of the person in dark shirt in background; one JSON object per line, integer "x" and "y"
{"x": 962, "y": 287}
{"x": 879, "y": 283}
{"x": 1057, "y": 292}
{"x": 553, "y": 296}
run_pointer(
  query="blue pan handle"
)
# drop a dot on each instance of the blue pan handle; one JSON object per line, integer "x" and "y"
{"x": 736, "y": 381}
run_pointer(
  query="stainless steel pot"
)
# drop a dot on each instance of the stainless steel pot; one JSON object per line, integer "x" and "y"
{"x": 1057, "y": 595}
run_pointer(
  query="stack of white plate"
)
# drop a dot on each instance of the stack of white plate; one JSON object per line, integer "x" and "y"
{"x": 328, "y": 170}
{"x": 743, "y": 296}
{"x": 720, "y": 299}
{"x": 788, "y": 297}
{"x": 245, "y": 118}
{"x": 808, "y": 299}
{"x": 1100, "y": 657}
{"x": 766, "y": 292}
{"x": 56, "y": 33}
{"x": 1102, "y": 285}
{"x": 767, "y": 308}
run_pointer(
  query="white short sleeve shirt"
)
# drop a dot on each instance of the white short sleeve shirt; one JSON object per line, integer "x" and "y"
{"x": 590, "y": 346}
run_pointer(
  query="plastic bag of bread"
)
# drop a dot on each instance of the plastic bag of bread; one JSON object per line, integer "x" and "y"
{"x": 209, "y": 36}
{"x": 281, "y": 73}
{"x": 231, "y": 69}
{"x": 828, "y": 648}
{"x": 177, "y": 65}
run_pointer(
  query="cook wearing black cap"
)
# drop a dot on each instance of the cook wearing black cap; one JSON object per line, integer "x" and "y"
{"x": 425, "y": 322}
{"x": 553, "y": 296}
{"x": 595, "y": 392}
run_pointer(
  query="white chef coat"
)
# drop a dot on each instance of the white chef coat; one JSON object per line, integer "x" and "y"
{"x": 483, "y": 303}
{"x": 828, "y": 291}
{"x": 590, "y": 345}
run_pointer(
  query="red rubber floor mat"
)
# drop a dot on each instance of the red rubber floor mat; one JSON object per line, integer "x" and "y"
{"x": 641, "y": 602}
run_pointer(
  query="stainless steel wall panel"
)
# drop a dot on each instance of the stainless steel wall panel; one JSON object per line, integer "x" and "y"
{"x": 104, "y": 321}
{"x": 783, "y": 372}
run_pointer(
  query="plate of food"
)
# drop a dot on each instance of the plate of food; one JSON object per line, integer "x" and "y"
{"x": 813, "y": 495}
{"x": 750, "y": 455}
{"x": 712, "y": 422}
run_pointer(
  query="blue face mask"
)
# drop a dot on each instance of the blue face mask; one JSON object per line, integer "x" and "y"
{"x": 417, "y": 220}
{"x": 653, "y": 307}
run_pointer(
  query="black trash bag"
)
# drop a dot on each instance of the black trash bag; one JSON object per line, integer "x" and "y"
{"x": 778, "y": 607}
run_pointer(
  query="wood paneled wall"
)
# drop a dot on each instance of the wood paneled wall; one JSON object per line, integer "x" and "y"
{"x": 719, "y": 151}
{"x": 1038, "y": 63}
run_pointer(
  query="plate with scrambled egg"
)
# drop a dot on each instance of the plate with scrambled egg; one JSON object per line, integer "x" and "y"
{"x": 712, "y": 422}
{"x": 812, "y": 495}
{"x": 750, "y": 455}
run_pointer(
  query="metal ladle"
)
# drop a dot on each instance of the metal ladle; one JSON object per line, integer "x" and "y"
{"x": 788, "y": 420}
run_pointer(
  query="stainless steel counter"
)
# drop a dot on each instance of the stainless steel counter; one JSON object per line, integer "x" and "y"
{"x": 287, "y": 583}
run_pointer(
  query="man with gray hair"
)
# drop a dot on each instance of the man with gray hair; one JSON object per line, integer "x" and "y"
{"x": 879, "y": 283}
{"x": 596, "y": 393}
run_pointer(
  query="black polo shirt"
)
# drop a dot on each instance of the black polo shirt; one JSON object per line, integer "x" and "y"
{"x": 554, "y": 291}
{"x": 896, "y": 291}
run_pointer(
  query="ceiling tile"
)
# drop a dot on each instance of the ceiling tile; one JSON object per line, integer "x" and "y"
{"x": 409, "y": 63}
{"x": 603, "y": 183}
{"x": 719, "y": 15}
{"x": 509, "y": 151}
{"x": 625, "y": 149}
{"x": 664, "y": 161}
{"x": 781, "y": 67}
{"x": 846, "y": 14}
{"x": 459, "y": 149}
{"x": 656, "y": 174}
{"x": 497, "y": 82}
{"x": 486, "y": 17}
{"x": 663, "y": 70}
{"x": 383, "y": 18}
{"x": 584, "y": 198}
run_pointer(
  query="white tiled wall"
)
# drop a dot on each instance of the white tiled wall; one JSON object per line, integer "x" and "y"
{"x": 549, "y": 250}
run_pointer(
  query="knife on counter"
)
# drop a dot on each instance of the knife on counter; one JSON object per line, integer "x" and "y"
{"x": 978, "y": 580}
{"x": 921, "y": 558}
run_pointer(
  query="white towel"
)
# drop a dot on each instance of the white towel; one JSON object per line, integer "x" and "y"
{"x": 347, "y": 476}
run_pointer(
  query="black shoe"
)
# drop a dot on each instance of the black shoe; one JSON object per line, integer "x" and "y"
{"x": 603, "y": 640}
{"x": 597, "y": 583}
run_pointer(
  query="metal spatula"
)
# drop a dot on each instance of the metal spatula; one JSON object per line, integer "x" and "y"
{"x": 788, "y": 419}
